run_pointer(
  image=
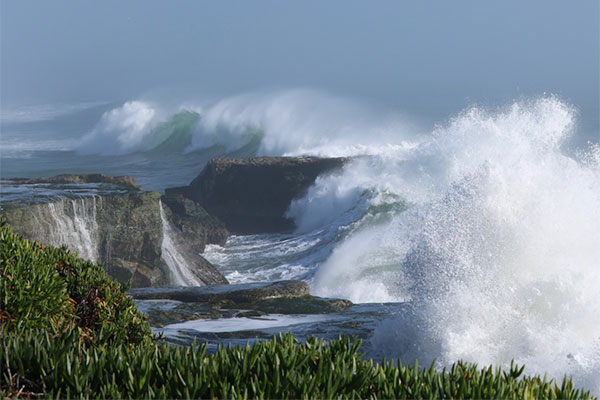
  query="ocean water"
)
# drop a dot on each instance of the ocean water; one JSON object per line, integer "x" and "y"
{"x": 485, "y": 226}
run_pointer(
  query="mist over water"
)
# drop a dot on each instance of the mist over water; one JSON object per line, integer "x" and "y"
{"x": 487, "y": 226}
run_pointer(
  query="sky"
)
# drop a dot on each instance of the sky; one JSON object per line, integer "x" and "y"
{"x": 406, "y": 55}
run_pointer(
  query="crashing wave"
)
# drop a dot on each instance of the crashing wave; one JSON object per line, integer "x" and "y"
{"x": 485, "y": 227}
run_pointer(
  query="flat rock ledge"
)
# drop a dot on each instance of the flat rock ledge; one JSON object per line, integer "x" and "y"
{"x": 124, "y": 181}
{"x": 230, "y": 301}
{"x": 244, "y": 293}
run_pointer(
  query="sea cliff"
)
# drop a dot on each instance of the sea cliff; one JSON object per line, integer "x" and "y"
{"x": 126, "y": 232}
{"x": 251, "y": 195}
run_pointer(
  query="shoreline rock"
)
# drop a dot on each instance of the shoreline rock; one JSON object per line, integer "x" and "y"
{"x": 124, "y": 231}
{"x": 242, "y": 300}
{"x": 198, "y": 228}
{"x": 244, "y": 293}
{"x": 251, "y": 195}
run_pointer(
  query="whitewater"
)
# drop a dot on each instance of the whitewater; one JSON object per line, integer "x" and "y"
{"x": 486, "y": 227}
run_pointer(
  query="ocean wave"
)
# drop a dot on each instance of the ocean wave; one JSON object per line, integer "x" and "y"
{"x": 294, "y": 122}
{"x": 497, "y": 250}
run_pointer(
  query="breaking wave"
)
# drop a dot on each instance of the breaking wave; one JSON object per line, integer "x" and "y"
{"x": 295, "y": 122}
{"x": 485, "y": 228}
{"x": 488, "y": 231}
{"x": 138, "y": 127}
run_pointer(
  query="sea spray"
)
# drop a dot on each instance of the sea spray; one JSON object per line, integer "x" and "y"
{"x": 181, "y": 271}
{"x": 497, "y": 252}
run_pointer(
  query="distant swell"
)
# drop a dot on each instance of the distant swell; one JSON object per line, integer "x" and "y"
{"x": 291, "y": 122}
{"x": 139, "y": 126}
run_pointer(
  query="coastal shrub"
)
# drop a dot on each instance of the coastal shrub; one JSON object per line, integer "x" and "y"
{"x": 278, "y": 368}
{"x": 49, "y": 288}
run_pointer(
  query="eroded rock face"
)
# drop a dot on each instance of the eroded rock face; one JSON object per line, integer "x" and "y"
{"x": 130, "y": 236}
{"x": 251, "y": 195}
{"x": 123, "y": 231}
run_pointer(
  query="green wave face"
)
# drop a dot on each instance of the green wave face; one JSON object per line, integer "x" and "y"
{"x": 252, "y": 138}
{"x": 173, "y": 135}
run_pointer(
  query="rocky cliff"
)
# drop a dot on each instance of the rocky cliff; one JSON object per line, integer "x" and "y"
{"x": 129, "y": 233}
{"x": 251, "y": 195}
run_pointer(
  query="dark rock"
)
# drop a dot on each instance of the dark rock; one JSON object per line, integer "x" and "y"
{"x": 233, "y": 301}
{"x": 237, "y": 294}
{"x": 140, "y": 280}
{"x": 122, "y": 181}
{"x": 204, "y": 270}
{"x": 301, "y": 305}
{"x": 251, "y": 195}
{"x": 130, "y": 234}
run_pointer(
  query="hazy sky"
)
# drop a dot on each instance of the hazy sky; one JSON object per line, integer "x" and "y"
{"x": 404, "y": 54}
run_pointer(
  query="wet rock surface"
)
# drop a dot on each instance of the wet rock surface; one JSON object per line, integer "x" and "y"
{"x": 243, "y": 293}
{"x": 123, "y": 231}
{"x": 166, "y": 306}
{"x": 121, "y": 181}
{"x": 251, "y": 195}
{"x": 198, "y": 228}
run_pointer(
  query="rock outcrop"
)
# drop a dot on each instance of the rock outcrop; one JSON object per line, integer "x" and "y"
{"x": 244, "y": 293}
{"x": 251, "y": 195}
{"x": 125, "y": 232}
{"x": 243, "y": 300}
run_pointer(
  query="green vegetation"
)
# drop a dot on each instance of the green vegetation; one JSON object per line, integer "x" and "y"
{"x": 46, "y": 288}
{"x": 69, "y": 331}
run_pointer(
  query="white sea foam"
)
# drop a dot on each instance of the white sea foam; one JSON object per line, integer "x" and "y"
{"x": 268, "y": 321}
{"x": 71, "y": 223}
{"x": 298, "y": 122}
